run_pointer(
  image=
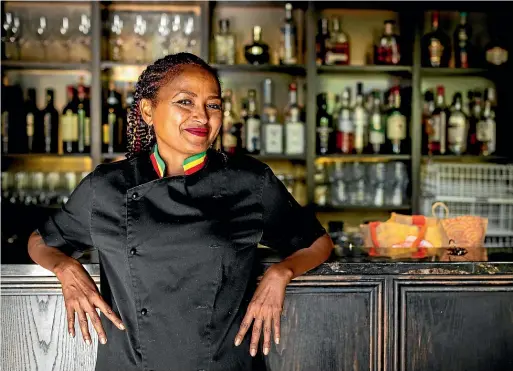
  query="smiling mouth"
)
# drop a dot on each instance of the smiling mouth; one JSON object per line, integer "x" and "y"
{"x": 200, "y": 132}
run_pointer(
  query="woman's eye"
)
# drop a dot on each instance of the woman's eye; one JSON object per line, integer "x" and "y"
{"x": 214, "y": 106}
{"x": 185, "y": 102}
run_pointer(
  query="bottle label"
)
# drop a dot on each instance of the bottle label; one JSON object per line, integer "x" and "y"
{"x": 486, "y": 130}
{"x": 295, "y": 138}
{"x": 30, "y": 124}
{"x": 435, "y": 52}
{"x": 456, "y": 130}
{"x": 396, "y": 126}
{"x": 253, "y": 134}
{"x": 345, "y": 125}
{"x": 335, "y": 58}
{"x": 105, "y": 129}
{"x": 80, "y": 129}
{"x": 69, "y": 127}
{"x": 111, "y": 120}
{"x": 377, "y": 131}
{"x": 273, "y": 134}
{"x": 360, "y": 123}
{"x": 225, "y": 49}
{"x": 47, "y": 122}
{"x": 87, "y": 131}
{"x": 324, "y": 132}
{"x": 434, "y": 135}
{"x": 497, "y": 56}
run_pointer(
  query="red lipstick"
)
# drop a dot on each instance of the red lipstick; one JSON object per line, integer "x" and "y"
{"x": 200, "y": 132}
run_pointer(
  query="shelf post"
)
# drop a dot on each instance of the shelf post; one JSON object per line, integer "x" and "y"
{"x": 96, "y": 86}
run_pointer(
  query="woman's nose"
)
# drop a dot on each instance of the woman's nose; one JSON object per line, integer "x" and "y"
{"x": 200, "y": 114}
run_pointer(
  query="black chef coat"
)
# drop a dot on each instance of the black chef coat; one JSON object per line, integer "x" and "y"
{"x": 177, "y": 255}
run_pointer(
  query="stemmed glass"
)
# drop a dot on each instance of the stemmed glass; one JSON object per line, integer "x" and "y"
{"x": 42, "y": 34}
{"x": 11, "y": 27}
{"x": 64, "y": 32}
{"x": 140, "y": 42}
{"x": 84, "y": 28}
{"x": 116, "y": 39}
{"x": 188, "y": 31}
{"x": 177, "y": 39}
{"x": 164, "y": 31}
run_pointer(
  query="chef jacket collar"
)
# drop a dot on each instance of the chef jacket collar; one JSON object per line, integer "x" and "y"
{"x": 191, "y": 164}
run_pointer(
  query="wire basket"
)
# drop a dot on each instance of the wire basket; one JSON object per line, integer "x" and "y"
{"x": 467, "y": 182}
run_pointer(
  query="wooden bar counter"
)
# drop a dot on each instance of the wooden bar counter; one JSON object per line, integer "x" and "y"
{"x": 341, "y": 316}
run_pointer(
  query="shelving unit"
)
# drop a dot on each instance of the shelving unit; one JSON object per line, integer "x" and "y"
{"x": 412, "y": 28}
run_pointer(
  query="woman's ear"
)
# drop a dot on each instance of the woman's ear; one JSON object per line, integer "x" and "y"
{"x": 146, "y": 109}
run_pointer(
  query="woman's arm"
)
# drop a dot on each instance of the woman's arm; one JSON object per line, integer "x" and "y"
{"x": 46, "y": 256}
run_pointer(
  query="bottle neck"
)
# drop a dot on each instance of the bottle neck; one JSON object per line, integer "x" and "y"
{"x": 434, "y": 21}
{"x": 440, "y": 100}
{"x": 257, "y": 35}
{"x": 293, "y": 97}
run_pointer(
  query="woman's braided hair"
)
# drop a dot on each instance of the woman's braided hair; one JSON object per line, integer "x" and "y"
{"x": 140, "y": 135}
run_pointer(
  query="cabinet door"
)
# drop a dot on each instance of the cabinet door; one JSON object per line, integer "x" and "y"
{"x": 330, "y": 326}
{"x": 457, "y": 325}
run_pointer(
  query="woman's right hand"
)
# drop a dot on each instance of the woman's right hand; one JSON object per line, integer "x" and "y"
{"x": 81, "y": 296}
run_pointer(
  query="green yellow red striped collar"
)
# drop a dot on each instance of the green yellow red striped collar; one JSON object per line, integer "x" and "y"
{"x": 190, "y": 165}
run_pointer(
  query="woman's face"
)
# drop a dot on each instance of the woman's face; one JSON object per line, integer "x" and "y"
{"x": 187, "y": 114}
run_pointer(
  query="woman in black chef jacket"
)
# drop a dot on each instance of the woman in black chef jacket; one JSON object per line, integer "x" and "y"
{"x": 176, "y": 225}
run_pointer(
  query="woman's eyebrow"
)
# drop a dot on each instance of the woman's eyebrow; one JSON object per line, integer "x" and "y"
{"x": 186, "y": 92}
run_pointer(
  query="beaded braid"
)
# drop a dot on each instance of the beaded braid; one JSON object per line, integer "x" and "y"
{"x": 140, "y": 135}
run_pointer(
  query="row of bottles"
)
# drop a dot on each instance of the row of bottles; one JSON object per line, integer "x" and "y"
{"x": 39, "y": 188}
{"x": 361, "y": 184}
{"x": 256, "y": 133}
{"x": 459, "y": 129}
{"x": 333, "y": 44}
{"x": 437, "y": 50}
{"x": 258, "y": 52}
{"x": 367, "y": 126}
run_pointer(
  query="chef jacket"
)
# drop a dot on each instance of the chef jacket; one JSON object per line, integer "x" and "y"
{"x": 177, "y": 254}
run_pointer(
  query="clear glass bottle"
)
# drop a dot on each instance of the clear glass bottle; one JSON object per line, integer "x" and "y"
{"x": 337, "y": 48}
{"x": 360, "y": 119}
{"x": 229, "y": 140}
{"x": 257, "y": 52}
{"x": 396, "y": 122}
{"x": 475, "y": 110}
{"x": 252, "y": 125}
{"x": 377, "y": 124}
{"x": 288, "y": 42}
{"x": 457, "y": 127}
{"x": 272, "y": 130}
{"x": 487, "y": 126}
{"x": 387, "y": 51}
{"x": 294, "y": 126}
{"x": 345, "y": 125}
{"x": 224, "y": 44}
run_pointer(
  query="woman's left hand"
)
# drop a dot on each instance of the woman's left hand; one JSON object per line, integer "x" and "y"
{"x": 265, "y": 308}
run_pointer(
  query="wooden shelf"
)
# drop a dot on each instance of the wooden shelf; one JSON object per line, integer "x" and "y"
{"x": 361, "y": 158}
{"x": 467, "y": 158}
{"x": 270, "y": 68}
{"x": 111, "y": 156}
{"x": 330, "y": 209}
{"x": 431, "y": 71}
{"x": 44, "y": 155}
{"x": 370, "y": 69}
{"x": 32, "y": 65}
{"x": 112, "y": 64}
{"x": 279, "y": 157}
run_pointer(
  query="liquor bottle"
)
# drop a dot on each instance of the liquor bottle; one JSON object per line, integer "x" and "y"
{"x": 83, "y": 120}
{"x": 272, "y": 130}
{"x": 229, "y": 140}
{"x": 387, "y": 51}
{"x": 224, "y": 44}
{"x": 496, "y": 51}
{"x": 437, "y": 138}
{"x": 345, "y": 125}
{"x": 396, "y": 121}
{"x": 294, "y": 125}
{"x": 50, "y": 124}
{"x": 69, "y": 122}
{"x": 436, "y": 49}
{"x": 360, "y": 119}
{"x": 14, "y": 133}
{"x": 462, "y": 46}
{"x": 252, "y": 125}
{"x": 33, "y": 120}
{"x": 322, "y": 38}
{"x": 288, "y": 43}
{"x": 427, "y": 117}
{"x": 457, "y": 127}
{"x": 377, "y": 125}
{"x": 337, "y": 48}
{"x": 112, "y": 121}
{"x": 324, "y": 126}
{"x": 475, "y": 110}
{"x": 486, "y": 127}
{"x": 258, "y": 51}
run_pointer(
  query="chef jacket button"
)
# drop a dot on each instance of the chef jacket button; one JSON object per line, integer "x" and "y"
{"x": 144, "y": 311}
{"x": 135, "y": 196}
{"x": 133, "y": 251}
